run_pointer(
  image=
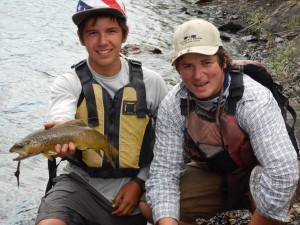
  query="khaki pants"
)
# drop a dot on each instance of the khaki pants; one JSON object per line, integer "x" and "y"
{"x": 205, "y": 193}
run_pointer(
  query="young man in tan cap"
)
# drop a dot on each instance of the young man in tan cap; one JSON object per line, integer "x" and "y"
{"x": 119, "y": 98}
{"x": 206, "y": 151}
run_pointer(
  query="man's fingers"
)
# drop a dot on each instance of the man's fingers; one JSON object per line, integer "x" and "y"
{"x": 72, "y": 148}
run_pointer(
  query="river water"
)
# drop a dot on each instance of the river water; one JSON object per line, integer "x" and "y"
{"x": 38, "y": 43}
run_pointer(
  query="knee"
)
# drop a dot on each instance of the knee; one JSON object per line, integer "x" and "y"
{"x": 51, "y": 222}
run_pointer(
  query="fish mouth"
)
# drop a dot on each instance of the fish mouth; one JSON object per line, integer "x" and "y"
{"x": 22, "y": 155}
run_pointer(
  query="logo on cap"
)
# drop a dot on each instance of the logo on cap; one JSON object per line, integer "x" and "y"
{"x": 190, "y": 38}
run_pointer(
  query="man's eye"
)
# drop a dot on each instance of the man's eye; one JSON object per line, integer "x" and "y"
{"x": 112, "y": 31}
{"x": 187, "y": 67}
{"x": 92, "y": 33}
{"x": 207, "y": 62}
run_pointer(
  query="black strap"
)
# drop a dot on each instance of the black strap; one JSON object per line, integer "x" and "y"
{"x": 236, "y": 89}
{"x": 52, "y": 174}
{"x": 136, "y": 79}
{"x": 135, "y": 69}
{"x": 86, "y": 80}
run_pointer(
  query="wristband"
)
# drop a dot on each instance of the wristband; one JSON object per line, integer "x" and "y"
{"x": 140, "y": 182}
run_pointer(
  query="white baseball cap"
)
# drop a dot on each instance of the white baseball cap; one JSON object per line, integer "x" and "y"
{"x": 86, "y": 8}
{"x": 196, "y": 36}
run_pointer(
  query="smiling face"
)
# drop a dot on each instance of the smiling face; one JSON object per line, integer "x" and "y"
{"x": 103, "y": 38}
{"x": 202, "y": 74}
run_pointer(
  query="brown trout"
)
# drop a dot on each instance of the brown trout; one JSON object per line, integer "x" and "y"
{"x": 76, "y": 131}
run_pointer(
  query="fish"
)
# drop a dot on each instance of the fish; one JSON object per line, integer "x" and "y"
{"x": 43, "y": 141}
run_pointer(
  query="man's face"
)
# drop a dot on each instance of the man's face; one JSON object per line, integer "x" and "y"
{"x": 202, "y": 74}
{"x": 103, "y": 39}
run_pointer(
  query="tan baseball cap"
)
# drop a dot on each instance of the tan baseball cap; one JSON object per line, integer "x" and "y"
{"x": 86, "y": 8}
{"x": 196, "y": 36}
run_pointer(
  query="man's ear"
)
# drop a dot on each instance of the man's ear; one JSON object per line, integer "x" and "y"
{"x": 80, "y": 39}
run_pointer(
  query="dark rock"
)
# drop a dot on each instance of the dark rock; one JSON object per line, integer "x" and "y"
{"x": 233, "y": 26}
{"x": 225, "y": 38}
{"x": 137, "y": 49}
{"x": 282, "y": 19}
{"x": 202, "y": 2}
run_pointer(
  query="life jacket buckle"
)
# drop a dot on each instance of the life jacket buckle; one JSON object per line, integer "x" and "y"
{"x": 129, "y": 107}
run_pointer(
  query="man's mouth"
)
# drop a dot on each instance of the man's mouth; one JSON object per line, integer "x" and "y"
{"x": 103, "y": 51}
{"x": 201, "y": 84}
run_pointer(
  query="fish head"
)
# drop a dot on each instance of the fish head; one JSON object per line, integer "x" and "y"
{"x": 25, "y": 149}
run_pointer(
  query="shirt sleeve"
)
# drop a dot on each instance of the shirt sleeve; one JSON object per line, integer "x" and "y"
{"x": 65, "y": 92}
{"x": 273, "y": 181}
{"x": 167, "y": 165}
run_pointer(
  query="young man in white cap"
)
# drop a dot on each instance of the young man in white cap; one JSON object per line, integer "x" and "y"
{"x": 119, "y": 98}
{"x": 225, "y": 150}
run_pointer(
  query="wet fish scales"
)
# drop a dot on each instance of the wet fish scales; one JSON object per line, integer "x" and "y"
{"x": 44, "y": 141}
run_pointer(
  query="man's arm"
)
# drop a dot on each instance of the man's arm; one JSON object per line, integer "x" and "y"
{"x": 167, "y": 165}
{"x": 274, "y": 180}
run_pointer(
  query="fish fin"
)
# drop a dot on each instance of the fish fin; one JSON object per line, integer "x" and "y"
{"x": 76, "y": 122}
{"x": 48, "y": 156}
{"x": 83, "y": 148}
{"x": 17, "y": 174}
{"x": 111, "y": 162}
{"x": 111, "y": 155}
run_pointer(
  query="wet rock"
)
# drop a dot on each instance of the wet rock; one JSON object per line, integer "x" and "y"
{"x": 282, "y": 19}
{"x": 296, "y": 76}
{"x": 233, "y": 26}
{"x": 202, "y": 2}
{"x": 137, "y": 49}
{"x": 250, "y": 38}
{"x": 225, "y": 37}
{"x": 297, "y": 89}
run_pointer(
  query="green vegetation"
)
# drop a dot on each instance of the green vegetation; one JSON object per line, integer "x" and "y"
{"x": 281, "y": 60}
{"x": 294, "y": 1}
{"x": 256, "y": 19}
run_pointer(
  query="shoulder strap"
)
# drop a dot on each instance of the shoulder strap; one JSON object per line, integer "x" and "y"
{"x": 136, "y": 79}
{"x": 86, "y": 80}
{"x": 236, "y": 89}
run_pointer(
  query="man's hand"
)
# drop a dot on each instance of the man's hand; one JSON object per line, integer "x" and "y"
{"x": 61, "y": 149}
{"x": 257, "y": 219}
{"x": 127, "y": 199}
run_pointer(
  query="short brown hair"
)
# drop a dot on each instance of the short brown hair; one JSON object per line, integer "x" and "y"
{"x": 121, "y": 21}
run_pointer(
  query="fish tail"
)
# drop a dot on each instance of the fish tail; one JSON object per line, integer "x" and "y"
{"x": 111, "y": 161}
{"x": 112, "y": 154}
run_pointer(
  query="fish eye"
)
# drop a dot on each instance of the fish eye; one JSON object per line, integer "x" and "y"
{"x": 19, "y": 145}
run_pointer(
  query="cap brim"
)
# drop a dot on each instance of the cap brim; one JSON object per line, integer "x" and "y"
{"x": 204, "y": 50}
{"x": 80, "y": 16}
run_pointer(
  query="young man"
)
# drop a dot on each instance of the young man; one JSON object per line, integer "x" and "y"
{"x": 227, "y": 151}
{"x": 117, "y": 97}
